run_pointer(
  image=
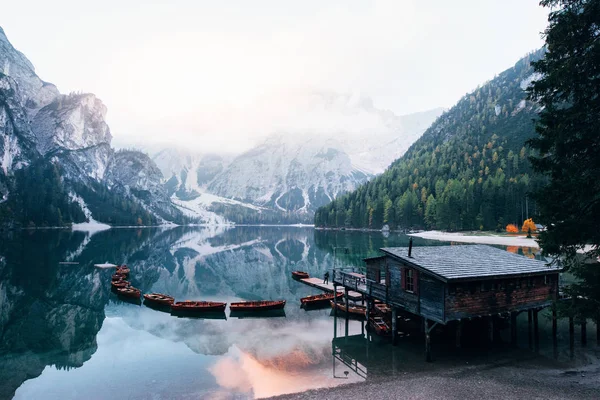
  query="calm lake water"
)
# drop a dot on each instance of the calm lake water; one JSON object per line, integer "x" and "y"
{"x": 64, "y": 335}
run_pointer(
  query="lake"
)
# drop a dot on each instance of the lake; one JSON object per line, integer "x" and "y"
{"x": 65, "y": 335}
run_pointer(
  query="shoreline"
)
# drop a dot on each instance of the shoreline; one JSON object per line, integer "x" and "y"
{"x": 514, "y": 376}
{"x": 520, "y": 241}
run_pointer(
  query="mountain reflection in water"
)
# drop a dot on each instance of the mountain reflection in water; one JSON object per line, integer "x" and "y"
{"x": 63, "y": 334}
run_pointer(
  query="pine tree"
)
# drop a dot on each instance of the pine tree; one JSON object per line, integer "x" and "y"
{"x": 568, "y": 145}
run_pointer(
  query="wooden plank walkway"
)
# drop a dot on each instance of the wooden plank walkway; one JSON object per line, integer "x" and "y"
{"x": 328, "y": 287}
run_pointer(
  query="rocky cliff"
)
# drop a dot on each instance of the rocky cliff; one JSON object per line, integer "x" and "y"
{"x": 69, "y": 141}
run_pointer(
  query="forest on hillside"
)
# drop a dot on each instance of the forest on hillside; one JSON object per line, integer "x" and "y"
{"x": 470, "y": 170}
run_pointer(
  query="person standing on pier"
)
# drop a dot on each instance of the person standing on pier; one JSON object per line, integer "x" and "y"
{"x": 326, "y": 277}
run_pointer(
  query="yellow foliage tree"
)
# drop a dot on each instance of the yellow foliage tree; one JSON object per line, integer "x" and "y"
{"x": 512, "y": 228}
{"x": 528, "y": 226}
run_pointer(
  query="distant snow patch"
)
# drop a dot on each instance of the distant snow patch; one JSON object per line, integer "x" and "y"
{"x": 92, "y": 225}
{"x": 497, "y": 109}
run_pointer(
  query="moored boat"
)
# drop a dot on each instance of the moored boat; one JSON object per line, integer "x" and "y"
{"x": 263, "y": 305}
{"x": 129, "y": 292}
{"x": 380, "y": 326}
{"x": 319, "y": 299}
{"x": 120, "y": 284}
{"x": 117, "y": 277}
{"x": 353, "y": 309}
{"x": 159, "y": 299}
{"x": 198, "y": 306}
{"x": 122, "y": 270}
{"x": 297, "y": 275}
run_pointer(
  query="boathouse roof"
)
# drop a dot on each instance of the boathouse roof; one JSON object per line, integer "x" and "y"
{"x": 470, "y": 262}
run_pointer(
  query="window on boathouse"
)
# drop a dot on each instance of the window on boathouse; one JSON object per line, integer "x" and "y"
{"x": 409, "y": 280}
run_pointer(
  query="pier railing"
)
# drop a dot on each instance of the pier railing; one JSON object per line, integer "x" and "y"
{"x": 360, "y": 283}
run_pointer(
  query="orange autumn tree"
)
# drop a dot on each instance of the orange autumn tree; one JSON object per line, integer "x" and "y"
{"x": 528, "y": 226}
{"x": 512, "y": 228}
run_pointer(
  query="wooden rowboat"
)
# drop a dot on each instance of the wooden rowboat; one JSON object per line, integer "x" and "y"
{"x": 264, "y": 305}
{"x": 159, "y": 299}
{"x": 198, "y": 306}
{"x": 117, "y": 277}
{"x": 297, "y": 275}
{"x": 319, "y": 299}
{"x": 122, "y": 270}
{"x": 381, "y": 328}
{"x": 353, "y": 309}
{"x": 129, "y": 292}
{"x": 120, "y": 284}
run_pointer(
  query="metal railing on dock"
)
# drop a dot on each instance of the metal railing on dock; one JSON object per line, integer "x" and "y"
{"x": 359, "y": 283}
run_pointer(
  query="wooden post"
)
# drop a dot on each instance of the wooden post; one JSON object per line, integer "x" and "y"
{"x": 347, "y": 307}
{"x": 583, "y": 332}
{"x": 334, "y": 313}
{"x": 530, "y": 328}
{"x": 598, "y": 331}
{"x": 513, "y": 329}
{"x": 459, "y": 327}
{"x": 536, "y": 332}
{"x": 394, "y": 326}
{"x": 572, "y": 336}
{"x": 427, "y": 340}
{"x": 368, "y": 314}
{"x": 554, "y": 332}
{"x": 491, "y": 328}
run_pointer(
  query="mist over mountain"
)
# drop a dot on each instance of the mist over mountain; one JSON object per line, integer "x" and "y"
{"x": 305, "y": 148}
{"x": 323, "y": 144}
{"x": 469, "y": 170}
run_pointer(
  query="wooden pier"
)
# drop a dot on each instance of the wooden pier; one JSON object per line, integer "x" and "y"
{"x": 328, "y": 288}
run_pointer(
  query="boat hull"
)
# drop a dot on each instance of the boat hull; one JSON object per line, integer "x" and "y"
{"x": 115, "y": 285}
{"x": 356, "y": 311}
{"x": 130, "y": 292}
{"x": 198, "y": 307}
{"x": 298, "y": 275}
{"x": 159, "y": 299}
{"x": 252, "y": 306}
{"x": 320, "y": 300}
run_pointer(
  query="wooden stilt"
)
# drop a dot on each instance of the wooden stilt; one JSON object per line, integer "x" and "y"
{"x": 394, "y": 326}
{"x": 584, "y": 332}
{"x": 530, "y": 327}
{"x": 368, "y": 315}
{"x": 536, "y": 332}
{"x": 491, "y": 329}
{"x": 347, "y": 308}
{"x": 335, "y": 315}
{"x": 572, "y": 336}
{"x": 459, "y": 327}
{"x": 554, "y": 333}
{"x": 427, "y": 340}
{"x": 513, "y": 329}
{"x": 598, "y": 332}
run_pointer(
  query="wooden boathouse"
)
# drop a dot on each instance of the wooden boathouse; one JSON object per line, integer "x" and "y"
{"x": 443, "y": 284}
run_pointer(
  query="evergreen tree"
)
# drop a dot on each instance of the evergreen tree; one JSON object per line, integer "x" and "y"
{"x": 568, "y": 144}
{"x": 472, "y": 160}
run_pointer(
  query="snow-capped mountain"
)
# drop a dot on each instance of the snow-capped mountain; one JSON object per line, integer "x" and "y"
{"x": 314, "y": 147}
{"x": 324, "y": 144}
{"x": 289, "y": 173}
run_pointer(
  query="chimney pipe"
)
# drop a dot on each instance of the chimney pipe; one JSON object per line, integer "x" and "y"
{"x": 410, "y": 247}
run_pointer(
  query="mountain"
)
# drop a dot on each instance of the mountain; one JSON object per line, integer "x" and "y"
{"x": 57, "y": 165}
{"x": 469, "y": 170}
{"x": 329, "y": 145}
{"x": 289, "y": 174}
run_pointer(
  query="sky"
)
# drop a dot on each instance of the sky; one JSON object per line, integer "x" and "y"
{"x": 216, "y": 74}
